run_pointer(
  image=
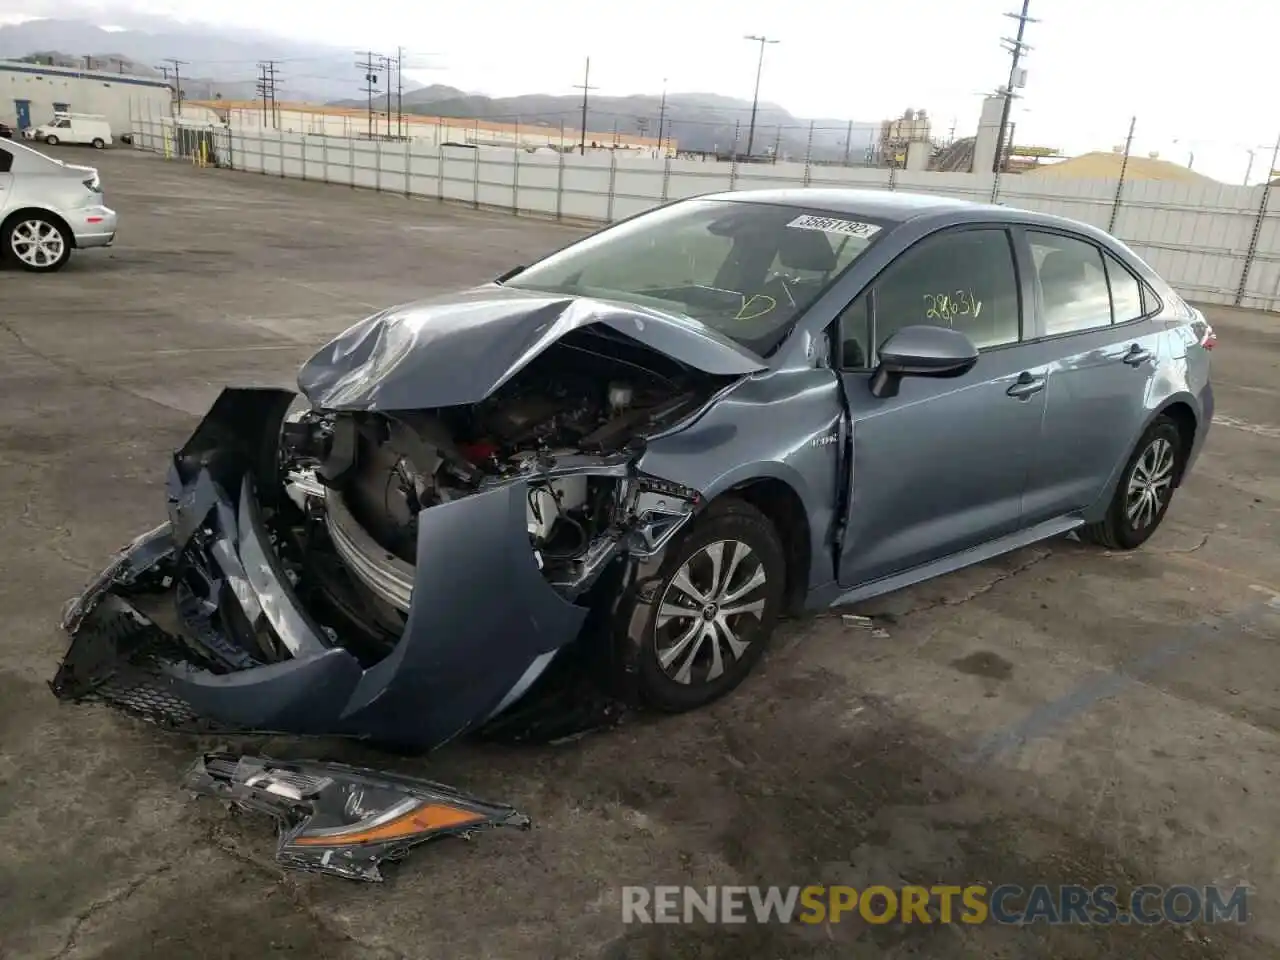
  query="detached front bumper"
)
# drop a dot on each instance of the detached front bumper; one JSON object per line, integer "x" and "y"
{"x": 179, "y": 628}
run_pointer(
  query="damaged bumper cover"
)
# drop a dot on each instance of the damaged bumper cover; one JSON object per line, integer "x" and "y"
{"x": 344, "y": 820}
{"x": 198, "y": 624}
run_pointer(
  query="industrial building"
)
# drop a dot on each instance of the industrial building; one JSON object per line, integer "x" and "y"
{"x": 30, "y": 93}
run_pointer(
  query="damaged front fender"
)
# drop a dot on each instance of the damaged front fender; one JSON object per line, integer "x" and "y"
{"x": 199, "y": 624}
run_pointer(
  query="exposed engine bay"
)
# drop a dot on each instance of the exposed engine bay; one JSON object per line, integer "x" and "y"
{"x": 570, "y": 425}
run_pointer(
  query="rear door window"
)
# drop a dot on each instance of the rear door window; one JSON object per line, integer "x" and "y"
{"x": 1073, "y": 282}
{"x": 1126, "y": 292}
{"x": 6, "y": 160}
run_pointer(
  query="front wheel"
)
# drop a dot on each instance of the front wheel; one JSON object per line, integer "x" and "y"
{"x": 98, "y": 143}
{"x": 712, "y": 608}
{"x": 51, "y": 140}
{"x": 37, "y": 244}
{"x": 1144, "y": 492}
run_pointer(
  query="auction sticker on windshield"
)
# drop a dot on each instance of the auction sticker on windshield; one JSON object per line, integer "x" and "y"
{"x": 850, "y": 228}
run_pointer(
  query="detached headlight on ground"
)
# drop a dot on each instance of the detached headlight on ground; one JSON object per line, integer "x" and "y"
{"x": 345, "y": 820}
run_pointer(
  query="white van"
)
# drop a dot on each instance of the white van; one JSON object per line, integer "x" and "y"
{"x": 88, "y": 128}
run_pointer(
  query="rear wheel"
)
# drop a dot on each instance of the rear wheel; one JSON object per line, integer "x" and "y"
{"x": 51, "y": 140}
{"x": 719, "y": 591}
{"x": 1144, "y": 492}
{"x": 36, "y": 243}
{"x": 98, "y": 143}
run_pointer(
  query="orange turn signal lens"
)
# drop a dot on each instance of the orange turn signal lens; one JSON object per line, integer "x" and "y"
{"x": 424, "y": 819}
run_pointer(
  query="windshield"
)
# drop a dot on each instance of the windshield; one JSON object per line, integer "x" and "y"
{"x": 748, "y": 270}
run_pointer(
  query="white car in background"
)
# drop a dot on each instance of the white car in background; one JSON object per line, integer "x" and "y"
{"x": 48, "y": 208}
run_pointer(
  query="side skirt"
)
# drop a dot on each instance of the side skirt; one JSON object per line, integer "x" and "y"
{"x": 833, "y": 595}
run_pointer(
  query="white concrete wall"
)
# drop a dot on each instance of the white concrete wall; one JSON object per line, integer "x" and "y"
{"x": 118, "y": 98}
{"x": 1195, "y": 236}
{"x": 427, "y": 129}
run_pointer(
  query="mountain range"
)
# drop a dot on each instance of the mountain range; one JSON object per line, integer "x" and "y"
{"x": 223, "y": 62}
{"x": 704, "y": 122}
{"x": 218, "y": 61}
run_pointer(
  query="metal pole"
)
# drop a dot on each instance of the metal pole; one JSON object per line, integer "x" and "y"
{"x": 848, "y": 137}
{"x": 1257, "y": 227}
{"x": 586, "y": 88}
{"x": 808, "y": 156}
{"x": 1008, "y": 93}
{"x": 662, "y": 114}
{"x": 755, "y": 99}
{"x": 1124, "y": 164}
{"x": 1248, "y": 171}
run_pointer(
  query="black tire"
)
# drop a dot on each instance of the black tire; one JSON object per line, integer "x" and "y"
{"x": 51, "y": 141}
{"x": 99, "y": 144}
{"x": 733, "y": 524}
{"x": 1160, "y": 444}
{"x": 17, "y": 223}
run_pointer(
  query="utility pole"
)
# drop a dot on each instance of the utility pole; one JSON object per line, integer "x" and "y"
{"x": 262, "y": 91}
{"x": 399, "y": 91}
{"x": 662, "y": 115}
{"x": 177, "y": 79}
{"x": 755, "y": 100}
{"x": 1016, "y": 47}
{"x": 385, "y": 64}
{"x": 585, "y": 87}
{"x": 848, "y": 141}
{"x": 370, "y": 83}
{"x": 267, "y": 88}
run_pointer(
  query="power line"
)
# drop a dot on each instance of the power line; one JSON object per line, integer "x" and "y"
{"x": 755, "y": 100}
{"x": 1016, "y": 47}
{"x": 177, "y": 78}
{"x": 585, "y": 87}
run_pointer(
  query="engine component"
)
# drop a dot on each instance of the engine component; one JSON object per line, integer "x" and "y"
{"x": 620, "y": 396}
{"x": 548, "y": 501}
{"x": 519, "y": 419}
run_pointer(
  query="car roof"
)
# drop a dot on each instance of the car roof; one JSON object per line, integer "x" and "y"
{"x": 877, "y": 204}
{"x": 895, "y": 207}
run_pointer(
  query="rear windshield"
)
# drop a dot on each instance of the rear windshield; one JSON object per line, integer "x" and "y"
{"x": 748, "y": 270}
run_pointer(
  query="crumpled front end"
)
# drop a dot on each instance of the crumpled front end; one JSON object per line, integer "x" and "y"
{"x": 355, "y": 575}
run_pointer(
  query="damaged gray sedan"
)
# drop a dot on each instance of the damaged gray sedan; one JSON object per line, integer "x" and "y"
{"x": 636, "y": 454}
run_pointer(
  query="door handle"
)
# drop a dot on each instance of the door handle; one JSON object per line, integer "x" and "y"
{"x": 1026, "y": 386}
{"x": 1136, "y": 356}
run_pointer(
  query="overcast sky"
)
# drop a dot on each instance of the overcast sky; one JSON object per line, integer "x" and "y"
{"x": 1200, "y": 76}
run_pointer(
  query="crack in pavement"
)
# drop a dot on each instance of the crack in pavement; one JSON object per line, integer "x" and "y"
{"x": 59, "y": 363}
{"x": 110, "y": 900}
{"x": 979, "y": 590}
{"x": 299, "y": 896}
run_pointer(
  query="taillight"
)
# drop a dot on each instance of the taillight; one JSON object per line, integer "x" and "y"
{"x": 1204, "y": 334}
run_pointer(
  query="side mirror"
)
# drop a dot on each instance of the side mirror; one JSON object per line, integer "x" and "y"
{"x": 922, "y": 351}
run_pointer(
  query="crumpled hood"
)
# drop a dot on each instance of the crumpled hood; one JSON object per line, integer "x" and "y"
{"x": 458, "y": 349}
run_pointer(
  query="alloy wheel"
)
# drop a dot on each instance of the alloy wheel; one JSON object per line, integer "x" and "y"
{"x": 37, "y": 243}
{"x": 706, "y": 609}
{"x": 1150, "y": 483}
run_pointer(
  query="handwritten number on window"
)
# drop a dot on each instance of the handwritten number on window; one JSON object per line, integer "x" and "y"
{"x": 946, "y": 307}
